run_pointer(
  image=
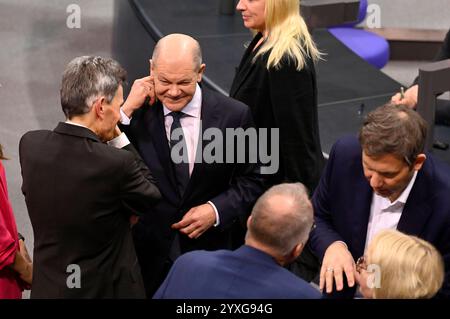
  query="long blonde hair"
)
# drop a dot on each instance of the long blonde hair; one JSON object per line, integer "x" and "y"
{"x": 287, "y": 35}
{"x": 411, "y": 268}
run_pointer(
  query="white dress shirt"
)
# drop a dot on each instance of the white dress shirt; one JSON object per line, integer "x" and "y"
{"x": 384, "y": 214}
{"x": 191, "y": 124}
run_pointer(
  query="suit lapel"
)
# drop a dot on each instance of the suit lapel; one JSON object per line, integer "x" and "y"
{"x": 243, "y": 72}
{"x": 209, "y": 118}
{"x": 417, "y": 210}
{"x": 360, "y": 213}
{"x": 154, "y": 122}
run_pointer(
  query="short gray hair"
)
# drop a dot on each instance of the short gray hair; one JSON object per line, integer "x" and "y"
{"x": 85, "y": 79}
{"x": 282, "y": 232}
{"x": 394, "y": 129}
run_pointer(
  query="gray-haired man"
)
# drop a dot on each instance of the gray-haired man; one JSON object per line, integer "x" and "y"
{"x": 81, "y": 192}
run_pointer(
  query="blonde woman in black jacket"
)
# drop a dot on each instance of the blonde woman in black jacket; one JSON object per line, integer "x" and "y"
{"x": 277, "y": 80}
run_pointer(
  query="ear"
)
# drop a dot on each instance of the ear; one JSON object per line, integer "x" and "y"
{"x": 200, "y": 72}
{"x": 297, "y": 250}
{"x": 292, "y": 255}
{"x": 151, "y": 66}
{"x": 418, "y": 163}
{"x": 249, "y": 221}
{"x": 99, "y": 107}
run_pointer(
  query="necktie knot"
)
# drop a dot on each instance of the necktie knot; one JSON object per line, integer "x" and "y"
{"x": 177, "y": 115}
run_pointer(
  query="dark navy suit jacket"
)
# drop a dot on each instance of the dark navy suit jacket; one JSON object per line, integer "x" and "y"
{"x": 232, "y": 187}
{"x": 246, "y": 273}
{"x": 342, "y": 205}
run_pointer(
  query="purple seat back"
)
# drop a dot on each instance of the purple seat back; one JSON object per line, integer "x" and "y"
{"x": 361, "y": 15}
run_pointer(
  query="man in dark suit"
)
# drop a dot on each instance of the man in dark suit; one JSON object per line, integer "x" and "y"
{"x": 382, "y": 181}
{"x": 278, "y": 229}
{"x": 202, "y": 198}
{"x": 82, "y": 193}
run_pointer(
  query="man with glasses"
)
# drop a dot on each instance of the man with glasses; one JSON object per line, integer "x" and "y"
{"x": 384, "y": 180}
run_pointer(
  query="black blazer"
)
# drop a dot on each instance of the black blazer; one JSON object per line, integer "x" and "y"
{"x": 233, "y": 188}
{"x": 80, "y": 194}
{"x": 284, "y": 98}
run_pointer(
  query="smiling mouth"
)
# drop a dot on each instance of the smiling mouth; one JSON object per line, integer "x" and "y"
{"x": 177, "y": 99}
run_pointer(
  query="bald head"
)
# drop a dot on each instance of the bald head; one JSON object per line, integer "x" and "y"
{"x": 176, "y": 69}
{"x": 175, "y": 47}
{"x": 281, "y": 218}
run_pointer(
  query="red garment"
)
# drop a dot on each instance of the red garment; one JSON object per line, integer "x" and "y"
{"x": 9, "y": 244}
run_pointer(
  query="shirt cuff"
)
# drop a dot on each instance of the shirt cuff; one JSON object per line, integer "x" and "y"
{"x": 124, "y": 119}
{"x": 216, "y": 212}
{"x": 120, "y": 141}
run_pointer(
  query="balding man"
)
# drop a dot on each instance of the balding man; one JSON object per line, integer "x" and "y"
{"x": 202, "y": 199}
{"x": 278, "y": 229}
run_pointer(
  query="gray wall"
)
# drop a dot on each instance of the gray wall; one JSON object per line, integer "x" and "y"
{"x": 36, "y": 44}
{"x": 423, "y": 14}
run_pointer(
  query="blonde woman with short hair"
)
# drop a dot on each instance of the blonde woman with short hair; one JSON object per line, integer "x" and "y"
{"x": 399, "y": 266}
{"x": 276, "y": 79}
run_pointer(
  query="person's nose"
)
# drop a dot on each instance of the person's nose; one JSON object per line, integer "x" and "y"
{"x": 240, "y": 6}
{"x": 174, "y": 91}
{"x": 375, "y": 180}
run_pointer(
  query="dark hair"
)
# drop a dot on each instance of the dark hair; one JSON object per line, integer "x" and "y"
{"x": 85, "y": 79}
{"x": 394, "y": 129}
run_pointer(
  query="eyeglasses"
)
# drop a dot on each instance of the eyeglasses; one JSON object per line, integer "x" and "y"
{"x": 361, "y": 264}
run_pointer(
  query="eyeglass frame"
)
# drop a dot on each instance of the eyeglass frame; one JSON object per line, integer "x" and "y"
{"x": 361, "y": 264}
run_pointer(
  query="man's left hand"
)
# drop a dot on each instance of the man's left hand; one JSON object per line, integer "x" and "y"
{"x": 196, "y": 221}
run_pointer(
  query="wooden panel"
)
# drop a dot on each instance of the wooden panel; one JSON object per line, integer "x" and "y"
{"x": 412, "y": 44}
{"x": 414, "y": 35}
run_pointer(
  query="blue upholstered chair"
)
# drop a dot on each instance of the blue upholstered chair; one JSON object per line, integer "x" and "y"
{"x": 369, "y": 46}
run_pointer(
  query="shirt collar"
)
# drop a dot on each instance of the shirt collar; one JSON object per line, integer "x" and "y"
{"x": 405, "y": 194}
{"x": 193, "y": 108}
{"x": 401, "y": 200}
{"x": 76, "y": 124}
